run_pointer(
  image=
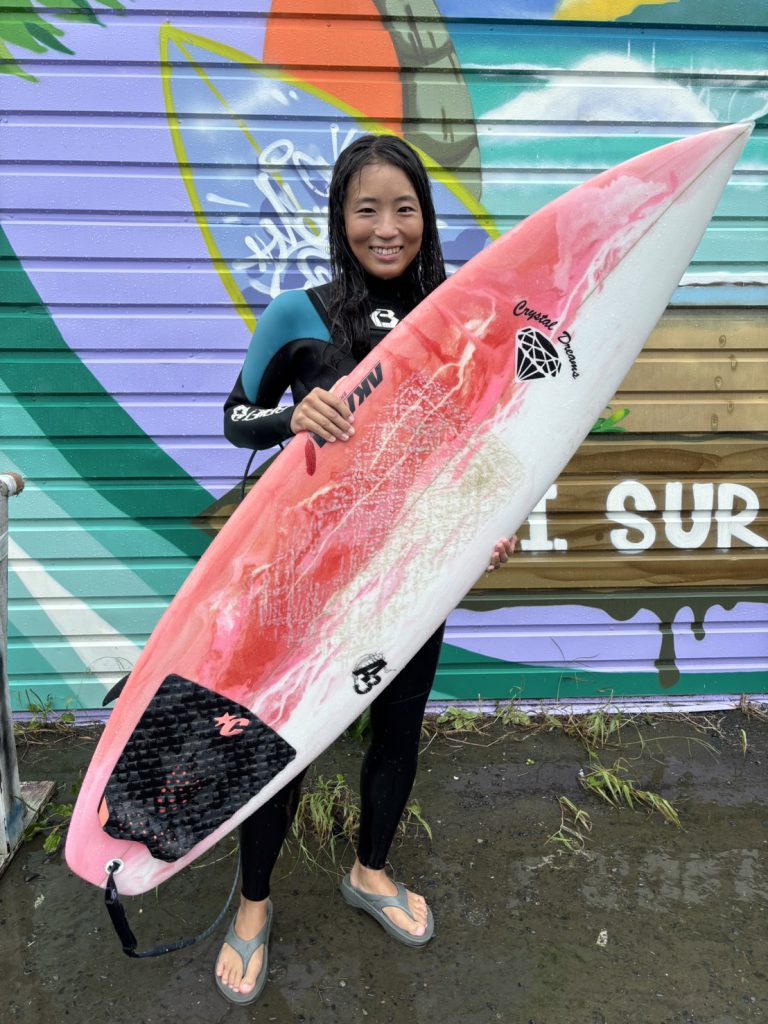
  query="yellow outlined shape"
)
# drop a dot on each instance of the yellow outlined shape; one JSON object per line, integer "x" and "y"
{"x": 182, "y": 39}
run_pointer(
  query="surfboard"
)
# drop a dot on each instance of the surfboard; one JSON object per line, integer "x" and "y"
{"x": 346, "y": 556}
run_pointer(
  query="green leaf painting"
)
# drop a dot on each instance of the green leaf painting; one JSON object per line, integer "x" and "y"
{"x": 27, "y": 25}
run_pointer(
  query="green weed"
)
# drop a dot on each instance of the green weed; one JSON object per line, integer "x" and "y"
{"x": 361, "y": 727}
{"x": 596, "y": 730}
{"x": 510, "y": 717}
{"x": 575, "y": 826}
{"x": 460, "y": 720}
{"x": 54, "y": 824}
{"x": 612, "y": 785}
{"x": 329, "y": 813}
{"x": 45, "y": 718}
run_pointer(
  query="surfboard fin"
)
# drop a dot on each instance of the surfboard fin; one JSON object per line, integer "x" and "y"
{"x": 116, "y": 690}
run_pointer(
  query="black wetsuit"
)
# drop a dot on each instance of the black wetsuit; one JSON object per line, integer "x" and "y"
{"x": 292, "y": 348}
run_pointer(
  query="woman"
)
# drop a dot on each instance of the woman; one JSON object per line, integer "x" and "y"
{"x": 385, "y": 258}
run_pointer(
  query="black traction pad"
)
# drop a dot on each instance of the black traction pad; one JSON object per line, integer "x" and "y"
{"x": 193, "y": 759}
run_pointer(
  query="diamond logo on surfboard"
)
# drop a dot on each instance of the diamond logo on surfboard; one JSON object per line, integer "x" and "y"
{"x": 537, "y": 357}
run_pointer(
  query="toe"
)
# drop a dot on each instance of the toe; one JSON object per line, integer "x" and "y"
{"x": 226, "y": 971}
{"x": 248, "y": 983}
{"x": 416, "y": 924}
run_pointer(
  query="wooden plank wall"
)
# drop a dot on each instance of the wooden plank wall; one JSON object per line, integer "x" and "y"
{"x": 162, "y": 175}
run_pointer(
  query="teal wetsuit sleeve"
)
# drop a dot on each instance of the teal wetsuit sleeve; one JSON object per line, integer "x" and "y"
{"x": 253, "y": 417}
{"x": 287, "y": 318}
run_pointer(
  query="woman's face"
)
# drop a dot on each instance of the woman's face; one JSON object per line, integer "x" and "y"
{"x": 383, "y": 221}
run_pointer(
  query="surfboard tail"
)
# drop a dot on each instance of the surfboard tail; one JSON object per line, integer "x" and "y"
{"x": 191, "y": 762}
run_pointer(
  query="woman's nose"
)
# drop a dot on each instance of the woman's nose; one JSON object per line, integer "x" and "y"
{"x": 386, "y": 227}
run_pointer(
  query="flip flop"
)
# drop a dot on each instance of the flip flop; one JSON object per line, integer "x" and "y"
{"x": 374, "y": 905}
{"x": 246, "y": 951}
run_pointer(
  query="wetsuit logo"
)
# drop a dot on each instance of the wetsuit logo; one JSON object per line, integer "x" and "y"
{"x": 248, "y": 413}
{"x": 384, "y": 318}
{"x": 367, "y": 672}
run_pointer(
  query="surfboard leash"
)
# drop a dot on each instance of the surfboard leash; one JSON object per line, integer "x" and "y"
{"x": 128, "y": 940}
{"x": 244, "y": 481}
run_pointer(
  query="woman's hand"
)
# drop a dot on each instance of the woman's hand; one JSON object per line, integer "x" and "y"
{"x": 501, "y": 553}
{"x": 324, "y": 414}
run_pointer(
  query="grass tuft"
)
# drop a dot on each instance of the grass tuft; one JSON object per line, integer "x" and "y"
{"x": 328, "y": 815}
{"x": 612, "y": 786}
{"x": 55, "y": 823}
{"x": 575, "y": 826}
{"x": 45, "y": 720}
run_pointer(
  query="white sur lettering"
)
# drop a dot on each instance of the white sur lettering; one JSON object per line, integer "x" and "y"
{"x": 538, "y": 539}
{"x": 639, "y": 534}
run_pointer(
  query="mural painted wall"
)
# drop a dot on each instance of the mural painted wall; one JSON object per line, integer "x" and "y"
{"x": 164, "y": 173}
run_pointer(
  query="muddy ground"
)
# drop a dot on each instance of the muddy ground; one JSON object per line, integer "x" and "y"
{"x": 647, "y": 925}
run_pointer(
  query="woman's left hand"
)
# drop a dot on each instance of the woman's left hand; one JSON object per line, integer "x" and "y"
{"x": 501, "y": 553}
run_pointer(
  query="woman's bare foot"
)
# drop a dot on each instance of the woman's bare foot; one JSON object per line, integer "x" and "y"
{"x": 378, "y": 883}
{"x": 251, "y": 918}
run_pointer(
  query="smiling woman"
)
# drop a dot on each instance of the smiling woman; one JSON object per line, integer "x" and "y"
{"x": 385, "y": 258}
{"x": 383, "y": 221}
{"x": 381, "y": 218}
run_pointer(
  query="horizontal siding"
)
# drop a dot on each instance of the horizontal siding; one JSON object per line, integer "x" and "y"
{"x": 122, "y": 328}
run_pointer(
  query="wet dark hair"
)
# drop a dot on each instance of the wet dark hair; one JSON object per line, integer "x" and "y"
{"x": 347, "y": 305}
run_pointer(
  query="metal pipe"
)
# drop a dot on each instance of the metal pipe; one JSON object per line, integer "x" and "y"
{"x": 11, "y": 804}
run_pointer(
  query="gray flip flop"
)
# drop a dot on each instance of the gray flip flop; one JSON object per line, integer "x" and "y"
{"x": 374, "y": 905}
{"x": 246, "y": 950}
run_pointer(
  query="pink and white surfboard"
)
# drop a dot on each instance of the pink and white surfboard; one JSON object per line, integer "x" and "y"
{"x": 345, "y": 557}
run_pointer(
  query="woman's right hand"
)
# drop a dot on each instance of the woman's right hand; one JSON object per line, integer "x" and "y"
{"x": 324, "y": 414}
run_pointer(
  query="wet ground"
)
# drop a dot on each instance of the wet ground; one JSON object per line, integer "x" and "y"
{"x": 648, "y": 925}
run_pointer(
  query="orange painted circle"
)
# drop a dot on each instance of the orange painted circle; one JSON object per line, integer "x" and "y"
{"x": 343, "y": 48}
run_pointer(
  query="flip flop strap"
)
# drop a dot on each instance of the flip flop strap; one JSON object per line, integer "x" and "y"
{"x": 246, "y": 948}
{"x": 399, "y": 902}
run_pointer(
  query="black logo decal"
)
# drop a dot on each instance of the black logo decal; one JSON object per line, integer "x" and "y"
{"x": 565, "y": 341}
{"x": 359, "y": 394}
{"x": 523, "y": 309}
{"x": 363, "y": 389}
{"x": 537, "y": 357}
{"x": 367, "y": 672}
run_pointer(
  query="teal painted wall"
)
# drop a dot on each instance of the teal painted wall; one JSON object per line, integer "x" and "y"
{"x": 157, "y": 185}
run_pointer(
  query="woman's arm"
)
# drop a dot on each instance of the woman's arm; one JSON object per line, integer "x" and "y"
{"x": 248, "y": 425}
{"x": 252, "y": 415}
